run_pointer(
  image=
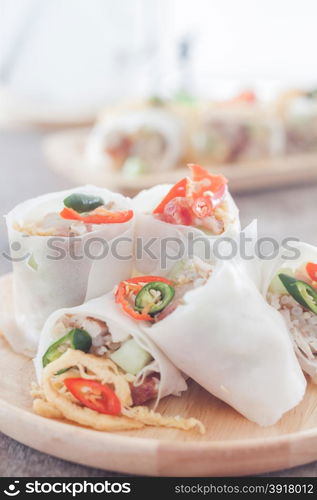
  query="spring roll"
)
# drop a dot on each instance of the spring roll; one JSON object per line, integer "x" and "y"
{"x": 236, "y": 131}
{"x": 96, "y": 342}
{"x": 183, "y": 220}
{"x": 290, "y": 286}
{"x": 297, "y": 110}
{"x": 136, "y": 141}
{"x": 66, "y": 249}
{"x": 213, "y": 324}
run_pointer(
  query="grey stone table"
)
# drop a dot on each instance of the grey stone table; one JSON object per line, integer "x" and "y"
{"x": 24, "y": 173}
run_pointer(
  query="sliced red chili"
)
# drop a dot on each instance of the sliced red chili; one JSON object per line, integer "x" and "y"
{"x": 207, "y": 182}
{"x": 202, "y": 206}
{"x": 247, "y": 96}
{"x": 178, "y": 190}
{"x": 311, "y": 269}
{"x": 187, "y": 197}
{"x": 98, "y": 216}
{"x": 134, "y": 285}
{"x": 179, "y": 211}
{"x": 96, "y": 396}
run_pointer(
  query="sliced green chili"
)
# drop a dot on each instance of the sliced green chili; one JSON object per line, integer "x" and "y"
{"x": 154, "y": 297}
{"x": 63, "y": 370}
{"x": 302, "y": 292}
{"x": 83, "y": 202}
{"x": 75, "y": 339}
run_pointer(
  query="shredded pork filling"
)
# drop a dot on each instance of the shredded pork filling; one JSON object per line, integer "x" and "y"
{"x": 194, "y": 273}
{"x": 52, "y": 224}
{"x": 218, "y": 222}
{"x": 302, "y": 325}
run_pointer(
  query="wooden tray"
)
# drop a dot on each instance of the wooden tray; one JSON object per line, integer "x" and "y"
{"x": 231, "y": 446}
{"x": 65, "y": 152}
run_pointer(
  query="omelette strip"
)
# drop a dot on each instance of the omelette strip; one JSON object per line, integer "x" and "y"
{"x": 56, "y": 402}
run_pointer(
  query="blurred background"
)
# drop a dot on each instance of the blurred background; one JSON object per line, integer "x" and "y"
{"x": 124, "y": 94}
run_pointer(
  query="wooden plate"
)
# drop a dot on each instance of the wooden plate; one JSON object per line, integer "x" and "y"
{"x": 65, "y": 152}
{"x": 231, "y": 446}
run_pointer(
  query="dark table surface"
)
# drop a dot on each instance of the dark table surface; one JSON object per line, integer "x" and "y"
{"x": 25, "y": 173}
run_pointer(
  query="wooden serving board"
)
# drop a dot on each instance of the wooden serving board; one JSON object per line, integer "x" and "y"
{"x": 65, "y": 153}
{"x": 231, "y": 446}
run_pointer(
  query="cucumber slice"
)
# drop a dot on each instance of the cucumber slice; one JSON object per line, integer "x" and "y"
{"x": 131, "y": 357}
{"x": 133, "y": 167}
{"x": 32, "y": 263}
{"x": 276, "y": 285}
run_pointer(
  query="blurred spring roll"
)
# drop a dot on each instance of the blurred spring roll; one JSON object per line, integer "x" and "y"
{"x": 183, "y": 220}
{"x": 238, "y": 130}
{"x": 297, "y": 109}
{"x": 137, "y": 140}
{"x": 293, "y": 292}
{"x": 97, "y": 368}
{"x": 67, "y": 247}
{"x": 213, "y": 324}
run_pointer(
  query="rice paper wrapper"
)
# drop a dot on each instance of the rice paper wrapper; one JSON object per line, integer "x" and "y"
{"x": 50, "y": 272}
{"x": 160, "y": 245}
{"x": 121, "y": 327}
{"x": 230, "y": 341}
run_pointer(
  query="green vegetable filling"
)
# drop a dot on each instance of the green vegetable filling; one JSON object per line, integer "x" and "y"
{"x": 154, "y": 297}
{"x": 302, "y": 292}
{"x": 130, "y": 357}
{"x": 83, "y": 202}
{"x": 75, "y": 339}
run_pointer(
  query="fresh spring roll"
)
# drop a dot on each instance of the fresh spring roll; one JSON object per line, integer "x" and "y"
{"x": 236, "y": 131}
{"x": 183, "y": 220}
{"x": 65, "y": 250}
{"x": 94, "y": 348}
{"x": 213, "y": 324}
{"x": 137, "y": 140}
{"x": 290, "y": 286}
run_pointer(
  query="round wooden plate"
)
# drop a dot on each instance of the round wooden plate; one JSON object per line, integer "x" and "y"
{"x": 231, "y": 446}
{"x": 65, "y": 153}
